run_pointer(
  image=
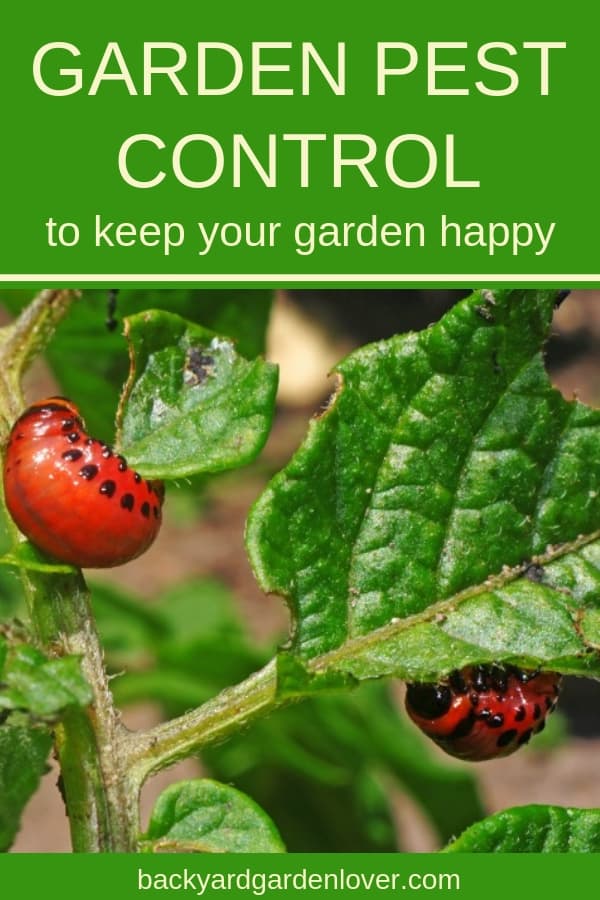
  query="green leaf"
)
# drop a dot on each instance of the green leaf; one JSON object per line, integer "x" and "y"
{"x": 192, "y": 403}
{"x": 444, "y": 458}
{"x": 207, "y": 817}
{"x": 533, "y": 829}
{"x": 23, "y": 753}
{"x": 39, "y": 685}
{"x": 550, "y": 625}
{"x": 90, "y": 362}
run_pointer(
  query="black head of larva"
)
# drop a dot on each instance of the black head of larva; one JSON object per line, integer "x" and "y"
{"x": 429, "y": 700}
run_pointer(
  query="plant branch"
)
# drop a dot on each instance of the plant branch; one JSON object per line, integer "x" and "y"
{"x": 212, "y": 722}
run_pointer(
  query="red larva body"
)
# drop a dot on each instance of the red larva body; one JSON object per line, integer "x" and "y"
{"x": 483, "y": 712}
{"x": 71, "y": 495}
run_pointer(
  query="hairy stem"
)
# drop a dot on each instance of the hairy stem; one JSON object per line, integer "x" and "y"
{"x": 101, "y": 802}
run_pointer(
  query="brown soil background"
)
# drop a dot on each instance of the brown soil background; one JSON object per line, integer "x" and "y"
{"x": 309, "y": 332}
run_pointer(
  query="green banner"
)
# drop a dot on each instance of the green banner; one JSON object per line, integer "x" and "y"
{"x": 375, "y": 876}
{"x": 236, "y": 143}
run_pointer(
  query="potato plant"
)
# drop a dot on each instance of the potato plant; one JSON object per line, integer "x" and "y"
{"x": 401, "y": 536}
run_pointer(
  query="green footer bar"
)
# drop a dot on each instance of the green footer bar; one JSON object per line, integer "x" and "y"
{"x": 127, "y": 877}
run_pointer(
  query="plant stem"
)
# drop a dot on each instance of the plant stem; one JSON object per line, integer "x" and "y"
{"x": 100, "y": 799}
{"x": 229, "y": 711}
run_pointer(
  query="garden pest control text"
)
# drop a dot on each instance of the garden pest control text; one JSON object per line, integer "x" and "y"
{"x": 213, "y": 69}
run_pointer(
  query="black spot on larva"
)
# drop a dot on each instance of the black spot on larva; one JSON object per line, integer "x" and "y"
{"x": 137, "y": 477}
{"x": 464, "y": 727}
{"x": 428, "y": 700}
{"x": 72, "y": 455}
{"x": 499, "y": 679}
{"x": 457, "y": 683}
{"x": 520, "y": 714}
{"x": 122, "y": 464}
{"x": 89, "y": 442}
{"x": 525, "y": 737}
{"x": 107, "y": 488}
{"x": 539, "y": 728}
{"x": 480, "y": 678}
{"x": 474, "y": 698}
{"x": 73, "y": 437}
{"x": 127, "y": 501}
{"x": 67, "y": 424}
{"x": 506, "y": 737}
{"x": 497, "y": 721}
{"x": 145, "y": 509}
{"x": 106, "y": 451}
{"x": 525, "y": 677}
{"x": 485, "y": 714}
{"x": 88, "y": 472}
{"x": 537, "y": 711}
{"x": 549, "y": 703}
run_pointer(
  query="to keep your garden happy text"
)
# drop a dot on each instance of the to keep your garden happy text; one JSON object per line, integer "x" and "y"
{"x": 306, "y": 237}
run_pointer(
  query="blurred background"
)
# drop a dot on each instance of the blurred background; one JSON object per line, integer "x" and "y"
{"x": 336, "y": 773}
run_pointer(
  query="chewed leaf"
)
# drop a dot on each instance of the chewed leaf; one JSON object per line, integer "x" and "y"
{"x": 90, "y": 361}
{"x": 193, "y": 404}
{"x": 445, "y": 457}
{"x": 533, "y": 829}
{"x": 207, "y": 817}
